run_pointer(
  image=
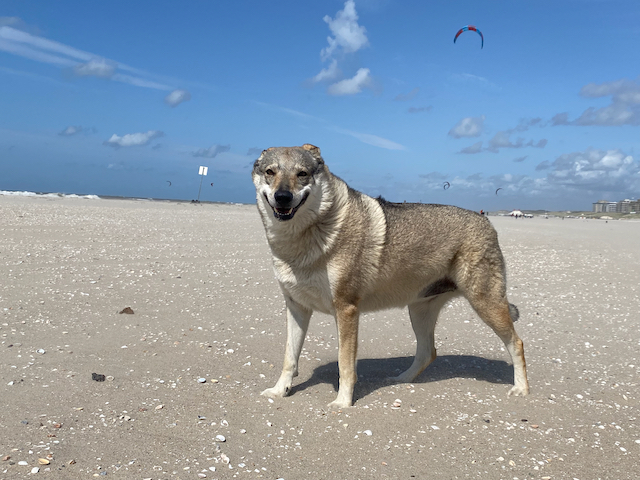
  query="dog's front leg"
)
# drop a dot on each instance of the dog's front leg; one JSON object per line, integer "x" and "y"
{"x": 347, "y": 317}
{"x": 297, "y": 325}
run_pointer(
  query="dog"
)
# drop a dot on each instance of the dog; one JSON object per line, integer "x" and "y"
{"x": 341, "y": 252}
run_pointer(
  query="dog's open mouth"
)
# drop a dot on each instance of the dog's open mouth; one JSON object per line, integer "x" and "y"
{"x": 286, "y": 213}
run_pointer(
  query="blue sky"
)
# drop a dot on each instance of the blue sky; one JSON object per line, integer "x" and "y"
{"x": 121, "y": 98}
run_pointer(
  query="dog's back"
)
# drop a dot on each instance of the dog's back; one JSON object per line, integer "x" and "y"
{"x": 421, "y": 244}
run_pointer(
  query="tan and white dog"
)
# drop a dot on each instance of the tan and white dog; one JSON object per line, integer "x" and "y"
{"x": 341, "y": 252}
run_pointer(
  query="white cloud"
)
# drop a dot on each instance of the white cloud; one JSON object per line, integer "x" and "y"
{"x": 525, "y": 124}
{"x": 468, "y": 127}
{"x": 574, "y": 180}
{"x": 624, "y": 108}
{"x": 618, "y": 113}
{"x": 139, "y": 82}
{"x": 374, "y": 140}
{"x": 34, "y": 47}
{"x": 546, "y": 165}
{"x": 176, "y": 97}
{"x": 624, "y": 90}
{"x": 96, "y": 67}
{"x": 472, "y": 149}
{"x": 474, "y": 127}
{"x": 351, "y": 86}
{"x": 26, "y": 51}
{"x": 328, "y": 74}
{"x": 133, "y": 139}
{"x": 25, "y": 43}
{"x": 347, "y": 37}
{"x": 503, "y": 140}
{"x": 363, "y": 137}
{"x": 212, "y": 151}
{"x": 347, "y": 34}
{"x": 71, "y": 130}
{"x": 610, "y": 170}
{"x": 560, "y": 119}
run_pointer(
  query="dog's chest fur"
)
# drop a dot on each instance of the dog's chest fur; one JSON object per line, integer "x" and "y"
{"x": 313, "y": 265}
{"x": 310, "y": 287}
{"x": 302, "y": 264}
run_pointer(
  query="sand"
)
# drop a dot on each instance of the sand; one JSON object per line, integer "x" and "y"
{"x": 206, "y": 306}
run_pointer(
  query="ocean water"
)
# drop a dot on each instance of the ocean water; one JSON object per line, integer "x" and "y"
{"x": 105, "y": 197}
{"x": 49, "y": 194}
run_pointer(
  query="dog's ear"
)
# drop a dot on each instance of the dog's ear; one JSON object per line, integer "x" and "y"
{"x": 257, "y": 162}
{"x": 311, "y": 148}
{"x": 314, "y": 151}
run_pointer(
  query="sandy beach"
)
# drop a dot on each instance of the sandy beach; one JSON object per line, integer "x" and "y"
{"x": 206, "y": 307}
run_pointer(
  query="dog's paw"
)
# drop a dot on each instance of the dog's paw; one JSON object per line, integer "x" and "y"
{"x": 275, "y": 392}
{"x": 518, "y": 391}
{"x": 338, "y": 405}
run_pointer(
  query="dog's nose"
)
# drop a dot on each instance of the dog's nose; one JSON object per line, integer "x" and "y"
{"x": 283, "y": 197}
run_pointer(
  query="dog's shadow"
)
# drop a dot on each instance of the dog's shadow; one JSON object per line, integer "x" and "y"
{"x": 375, "y": 373}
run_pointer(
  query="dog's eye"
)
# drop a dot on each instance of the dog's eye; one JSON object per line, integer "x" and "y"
{"x": 302, "y": 174}
{"x": 269, "y": 172}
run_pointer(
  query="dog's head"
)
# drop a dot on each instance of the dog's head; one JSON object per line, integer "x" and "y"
{"x": 285, "y": 177}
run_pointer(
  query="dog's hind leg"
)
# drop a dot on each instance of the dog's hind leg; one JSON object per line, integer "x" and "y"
{"x": 424, "y": 315}
{"x": 497, "y": 314}
{"x": 297, "y": 324}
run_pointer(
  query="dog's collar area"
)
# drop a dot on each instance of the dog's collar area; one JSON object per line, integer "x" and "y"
{"x": 284, "y": 214}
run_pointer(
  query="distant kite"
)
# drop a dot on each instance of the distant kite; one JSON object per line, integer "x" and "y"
{"x": 212, "y": 184}
{"x": 169, "y": 182}
{"x": 498, "y": 189}
{"x": 446, "y": 185}
{"x": 470, "y": 28}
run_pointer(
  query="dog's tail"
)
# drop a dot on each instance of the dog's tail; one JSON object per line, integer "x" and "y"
{"x": 514, "y": 312}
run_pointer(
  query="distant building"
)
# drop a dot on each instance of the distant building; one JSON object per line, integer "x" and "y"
{"x": 600, "y": 206}
{"x": 623, "y": 206}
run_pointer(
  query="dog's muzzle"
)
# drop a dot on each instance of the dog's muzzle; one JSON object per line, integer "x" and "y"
{"x": 283, "y": 209}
